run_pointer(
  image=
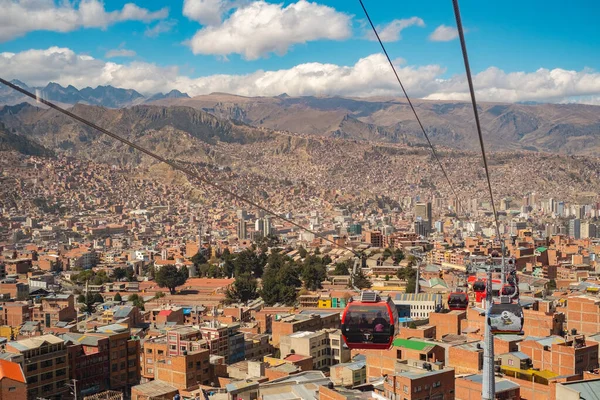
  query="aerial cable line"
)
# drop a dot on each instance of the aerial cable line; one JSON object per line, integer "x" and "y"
{"x": 433, "y": 151}
{"x": 173, "y": 164}
{"x": 463, "y": 45}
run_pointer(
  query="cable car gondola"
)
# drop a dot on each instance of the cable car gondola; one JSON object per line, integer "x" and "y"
{"x": 458, "y": 301}
{"x": 506, "y": 317}
{"x": 479, "y": 288}
{"x": 370, "y": 323}
{"x": 508, "y": 290}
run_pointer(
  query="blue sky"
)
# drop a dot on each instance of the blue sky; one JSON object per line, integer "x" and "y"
{"x": 518, "y": 37}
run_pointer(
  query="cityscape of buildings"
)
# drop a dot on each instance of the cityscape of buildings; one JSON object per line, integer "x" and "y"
{"x": 84, "y": 313}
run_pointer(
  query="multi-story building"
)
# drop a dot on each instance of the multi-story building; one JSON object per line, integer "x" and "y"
{"x": 224, "y": 340}
{"x": 46, "y": 365}
{"x": 14, "y": 314}
{"x": 419, "y": 380}
{"x": 326, "y": 347}
{"x": 55, "y": 308}
{"x": 569, "y": 356}
{"x": 88, "y": 361}
{"x": 124, "y": 359}
{"x": 304, "y": 321}
{"x": 419, "y": 305}
{"x": 374, "y": 238}
{"x": 186, "y": 370}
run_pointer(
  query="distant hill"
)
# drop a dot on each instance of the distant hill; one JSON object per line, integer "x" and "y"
{"x": 106, "y": 96}
{"x": 12, "y": 142}
{"x": 173, "y": 132}
{"x": 562, "y": 128}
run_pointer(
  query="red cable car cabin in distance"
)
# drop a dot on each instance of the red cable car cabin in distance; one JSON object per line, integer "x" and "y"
{"x": 458, "y": 301}
{"x": 479, "y": 287}
{"x": 370, "y": 323}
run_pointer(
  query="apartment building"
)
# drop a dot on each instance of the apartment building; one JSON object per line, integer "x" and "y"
{"x": 419, "y": 380}
{"x": 55, "y": 308}
{"x": 89, "y": 362}
{"x": 324, "y": 346}
{"x": 46, "y": 365}
{"x": 563, "y": 356}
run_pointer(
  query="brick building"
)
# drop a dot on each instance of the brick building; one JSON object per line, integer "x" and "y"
{"x": 304, "y": 321}
{"x": 53, "y": 309}
{"x": 14, "y": 314}
{"x": 569, "y": 356}
{"x": 447, "y": 323}
{"x": 13, "y": 385}
{"x": 89, "y": 362}
{"x": 414, "y": 380}
{"x": 583, "y": 314}
{"x": 466, "y": 358}
{"x": 46, "y": 365}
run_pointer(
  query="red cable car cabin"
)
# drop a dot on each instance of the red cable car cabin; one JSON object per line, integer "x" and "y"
{"x": 479, "y": 287}
{"x": 458, "y": 301}
{"x": 370, "y": 323}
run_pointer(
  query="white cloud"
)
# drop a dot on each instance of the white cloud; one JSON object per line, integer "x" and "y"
{"x": 260, "y": 28}
{"x": 209, "y": 12}
{"x": 444, "y": 33}
{"x": 161, "y": 27}
{"x": 21, "y": 16}
{"x": 120, "y": 53}
{"x": 391, "y": 32}
{"x": 369, "y": 76}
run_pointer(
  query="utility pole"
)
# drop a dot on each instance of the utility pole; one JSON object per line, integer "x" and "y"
{"x": 489, "y": 380}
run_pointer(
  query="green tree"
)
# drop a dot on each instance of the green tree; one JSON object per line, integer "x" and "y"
{"x": 244, "y": 288}
{"x": 387, "y": 253}
{"x": 117, "y": 297}
{"x": 360, "y": 280}
{"x": 342, "y": 268}
{"x": 248, "y": 261}
{"x": 171, "y": 277}
{"x": 280, "y": 280}
{"x": 313, "y": 273}
{"x": 159, "y": 295}
{"x": 137, "y": 301}
{"x": 198, "y": 259}
{"x": 551, "y": 284}
{"x": 81, "y": 299}
{"x": 119, "y": 273}
{"x": 398, "y": 255}
{"x": 302, "y": 252}
{"x": 98, "y": 298}
{"x": 327, "y": 259}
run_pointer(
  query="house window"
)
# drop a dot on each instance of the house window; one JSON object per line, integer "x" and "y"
{"x": 510, "y": 362}
{"x": 405, "y": 389}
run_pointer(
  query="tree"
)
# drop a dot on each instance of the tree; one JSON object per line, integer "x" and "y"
{"x": 198, "y": 259}
{"x": 302, "y": 252}
{"x": 551, "y": 284}
{"x": 411, "y": 285}
{"x": 98, "y": 298}
{"x": 280, "y": 280}
{"x": 412, "y": 325}
{"x": 119, "y": 273}
{"x": 398, "y": 255}
{"x": 171, "y": 277}
{"x": 81, "y": 299}
{"x": 360, "y": 280}
{"x": 313, "y": 273}
{"x": 158, "y": 295}
{"x": 137, "y": 301}
{"x": 327, "y": 259}
{"x": 342, "y": 268}
{"x": 118, "y": 297}
{"x": 248, "y": 261}
{"x": 244, "y": 288}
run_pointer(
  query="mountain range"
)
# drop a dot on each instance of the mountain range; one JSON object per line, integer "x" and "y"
{"x": 106, "y": 96}
{"x": 553, "y": 128}
{"x": 556, "y": 128}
